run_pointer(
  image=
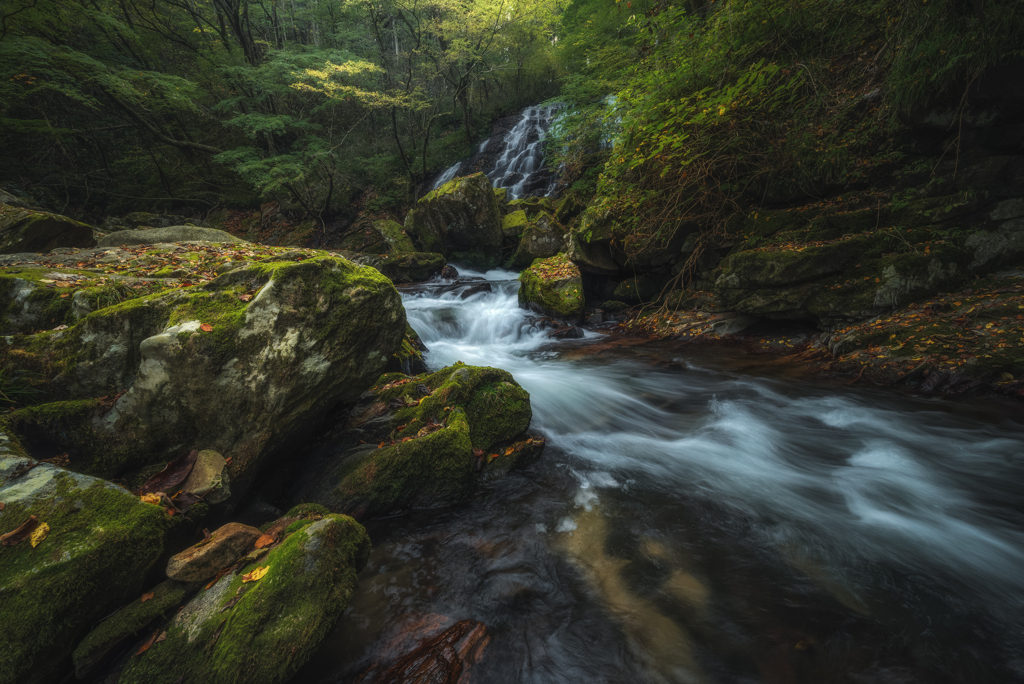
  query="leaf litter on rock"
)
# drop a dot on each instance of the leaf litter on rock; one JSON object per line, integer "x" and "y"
{"x": 21, "y": 532}
{"x": 173, "y": 474}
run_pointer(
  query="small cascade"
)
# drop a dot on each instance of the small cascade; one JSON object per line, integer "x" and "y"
{"x": 519, "y": 166}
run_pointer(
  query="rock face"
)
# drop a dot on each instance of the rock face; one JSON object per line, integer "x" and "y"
{"x": 460, "y": 220}
{"x": 101, "y": 542}
{"x": 204, "y": 560}
{"x": 261, "y": 628}
{"x": 29, "y": 230}
{"x": 154, "y": 236}
{"x": 542, "y": 237}
{"x": 240, "y": 365}
{"x": 379, "y": 237}
{"x": 553, "y": 287}
{"x": 429, "y": 440}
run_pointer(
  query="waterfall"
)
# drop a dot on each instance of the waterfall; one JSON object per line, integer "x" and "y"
{"x": 520, "y": 165}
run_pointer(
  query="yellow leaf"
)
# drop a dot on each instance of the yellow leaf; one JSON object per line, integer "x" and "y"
{"x": 39, "y": 534}
{"x": 721, "y": 110}
{"x": 151, "y": 499}
{"x": 256, "y": 574}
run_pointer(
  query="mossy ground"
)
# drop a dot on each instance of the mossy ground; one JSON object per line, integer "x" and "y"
{"x": 101, "y": 543}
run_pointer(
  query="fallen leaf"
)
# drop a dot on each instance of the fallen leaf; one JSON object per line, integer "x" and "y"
{"x": 227, "y": 461}
{"x": 256, "y": 574}
{"x": 509, "y": 451}
{"x": 265, "y": 540}
{"x": 39, "y": 534}
{"x": 162, "y": 637}
{"x": 206, "y": 327}
{"x": 478, "y": 452}
{"x": 150, "y": 499}
{"x": 147, "y": 596}
{"x": 1, "y": 505}
{"x": 245, "y": 297}
{"x": 171, "y": 476}
{"x": 20, "y": 533}
{"x": 149, "y": 642}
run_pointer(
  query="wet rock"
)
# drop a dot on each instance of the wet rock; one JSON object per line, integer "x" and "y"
{"x": 31, "y": 230}
{"x": 569, "y": 333}
{"x": 553, "y": 287}
{"x": 441, "y": 659}
{"x": 475, "y": 289}
{"x": 204, "y": 560}
{"x": 129, "y": 621}
{"x": 409, "y": 357}
{"x": 460, "y": 220}
{"x": 449, "y": 273}
{"x": 101, "y": 543}
{"x": 413, "y": 267}
{"x": 209, "y": 479}
{"x": 261, "y": 630}
{"x": 153, "y": 236}
{"x": 428, "y": 450}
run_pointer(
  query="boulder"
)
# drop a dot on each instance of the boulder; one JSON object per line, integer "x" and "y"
{"x": 379, "y": 237}
{"x": 154, "y": 236}
{"x": 261, "y": 623}
{"x": 543, "y": 237}
{"x": 141, "y": 220}
{"x": 100, "y": 544}
{"x": 221, "y": 549}
{"x": 640, "y": 289}
{"x": 30, "y": 230}
{"x": 214, "y": 365}
{"x": 128, "y": 622}
{"x": 512, "y": 227}
{"x": 209, "y": 479}
{"x": 460, "y": 220}
{"x": 532, "y": 206}
{"x": 414, "y": 267}
{"x": 553, "y": 287}
{"x": 429, "y": 439}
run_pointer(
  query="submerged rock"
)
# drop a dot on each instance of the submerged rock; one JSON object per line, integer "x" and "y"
{"x": 440, "y": 659}
{"x": 32, "y": 230}
{"x": 261, "y": 623}
{"x": 101, "y": 541}
{"x": 553, "y": 287}
{"x": 430, "y": 438}
{"x": 460, "y": 220}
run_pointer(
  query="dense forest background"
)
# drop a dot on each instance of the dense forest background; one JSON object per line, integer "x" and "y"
{"x": 684, "y": 111}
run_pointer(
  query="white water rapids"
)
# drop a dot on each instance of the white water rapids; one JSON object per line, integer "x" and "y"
{"x": 691, "y": 522}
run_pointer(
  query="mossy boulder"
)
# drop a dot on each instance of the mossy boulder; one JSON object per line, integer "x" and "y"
{"x": 409, "y": 357}
{"x": 431, "y": 437}
{"x": 553, "y": 287}
{"x": 101, "y": 542}
{"x": 241, "y": 365}
{"x": 154, "y": 236}
{"x": 30, "y": 230}
{"x": 461, "y": 218}
{"x": 411, "y": 267}
{"x": 262, "y": 631}
{"x": 532, "y": 205}
{"x": 512, "y": 227}
{"x": 378, "y": 237}
{"x": 542, "y": 237}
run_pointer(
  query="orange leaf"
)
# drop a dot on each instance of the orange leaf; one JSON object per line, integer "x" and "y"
{"x": 145, "y": 597}
{"x": 20, "y": 533}
{"x": 149, "y": 642}
{"x": 509, "y": 451}
{"x": 206, "y": 327}
{"x": 265, "y": 540}
{"x": 478, "y": 452}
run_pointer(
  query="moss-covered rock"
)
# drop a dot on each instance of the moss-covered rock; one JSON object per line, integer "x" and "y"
{"x": 30, "y": 230}
{"x": 213, "y": 366}
{"x": 101, "y": 542}
{"x": 412, "y": 267}
{"x": 154, "y": 236}
{"x": 459, "y": 218}
{"x": 409, "y": 357}
{"x": 383, "y": 236}
{"x": 512, "y": 226}
{"x": 262, "y": 631}
{"x": 542, "y": 237}
{"x": 532, "y": 205}
{"x": 431, "y": 437}
{"x": 554, "y": 287}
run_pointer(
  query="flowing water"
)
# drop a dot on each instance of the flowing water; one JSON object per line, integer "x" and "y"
{"x": 691, "y": 521}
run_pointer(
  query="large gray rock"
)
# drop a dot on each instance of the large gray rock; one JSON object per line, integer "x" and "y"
{"x": 263, "y": 630}
{"x": 542, "y": 238}
{"x": 29, "y": 230}
{"x": 460, "y": 220}
{"x": 212, "y": 366}
{"x": 153, "y": 236}
{"x": 101, "y": 542}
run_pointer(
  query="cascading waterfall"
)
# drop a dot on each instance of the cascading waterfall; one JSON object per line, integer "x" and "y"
{"x": 520, "y": 165}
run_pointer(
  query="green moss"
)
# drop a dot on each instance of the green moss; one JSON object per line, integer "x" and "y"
{"x": 514, "y": 224}
{"x": 101, "y": 543}
{"x": 554, "y": 286}
{"x": 262, "y": 632}
{"x": 304, "y": 510}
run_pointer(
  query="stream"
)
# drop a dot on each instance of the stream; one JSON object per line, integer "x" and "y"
{"x": 698, "y": 518}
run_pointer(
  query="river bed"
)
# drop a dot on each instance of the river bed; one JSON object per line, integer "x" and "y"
{"x": 692, "y": 520}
